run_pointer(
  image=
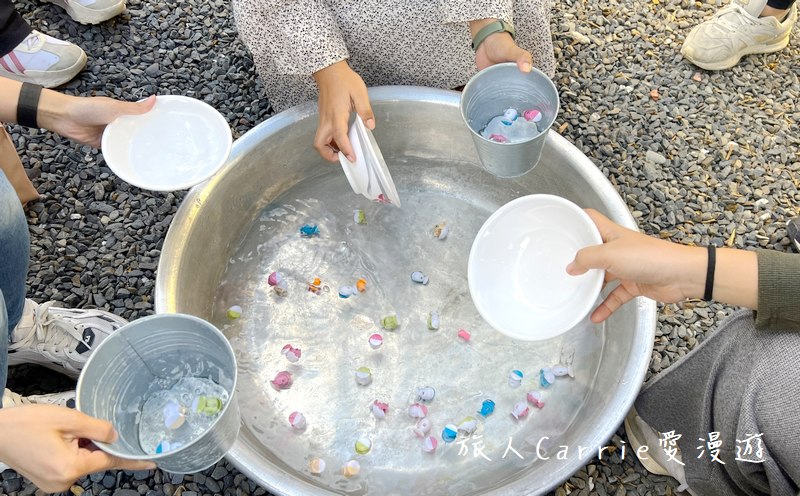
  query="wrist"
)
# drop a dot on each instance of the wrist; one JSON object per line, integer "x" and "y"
{"x": 691, "y": 276}
{"x": 53, "y": 107}
{"x": 332, "y": 72}
{"x": 476, "y": 25}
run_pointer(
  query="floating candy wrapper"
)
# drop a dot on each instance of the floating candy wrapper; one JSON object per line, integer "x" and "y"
{"x": 379, "y": 409}
{"x": 418, "y": 410}
{"x": 275, "y": 278}
{"x": 315, "y": 285}
{"x": 174, "y": 415}
{"x": 532, "y": 115}
{"x": 423, "y": 427}
{"x": 234, "y": 312}
{"x": 429, "y": 444}
{"x": 509, "y": 116}
{"x": 498, "y": 138}
{"x": 487, "y": 408}
{"x": 465, "y": 335}
{"x": 361, "y": 285}
{"x": 433, "y": 321}
{"x": 425, "y": 394}
{"x": 359, "y": 217}
{"x": 563, "y": 370}
{"x": 282, "y": 381}
{"x": 468, "y": 426}
{"x": 449, "y": 433}
{"x": 363, "y": 445}
{"x": 165, "y": 446}
{"x": 389, "y": 323}
{"x": 282, "y": 288}
{"x": 207, "y": 405}
{"x": 515, "y": 379}
{"x": 419, "y": 278}
{"x": 375, "y": 341}
{"x": 546, "y": 377}
{"x": 351, "y": 469}
{"x": 535, "y": 399}
{"x": 297, "y": 421}
{"x": 316, "y": 466}
{"x": 291, "y": 353}
{"x": 363, "y": 376}
{"x": 309, "y": 231}
{"x": 346, "y": 291}
{"x": 520, "y": 410}
{"x": 440, "y": 231}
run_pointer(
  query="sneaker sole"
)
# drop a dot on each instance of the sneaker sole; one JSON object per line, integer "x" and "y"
{"x": 85, "y": 15}
{"x": 734, "y": 59}
{"x": 635, "y": 442}
{"x": 23, "y": 357}
{"x": 49, "y": 79}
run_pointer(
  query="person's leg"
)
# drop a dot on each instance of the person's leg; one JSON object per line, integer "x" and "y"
{"x": 13, "y": 28}
{"x": 15, "y": 172}
{"x": 777, "y": 9}
{"x": 14, "y": 251}
{"x": 736, "y": 393}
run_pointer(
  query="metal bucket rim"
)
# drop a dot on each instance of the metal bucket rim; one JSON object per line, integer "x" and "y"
{"x": 108, "y": 448}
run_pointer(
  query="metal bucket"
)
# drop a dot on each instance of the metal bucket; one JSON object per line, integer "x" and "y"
{"x": 232, "y": 231}
{"x": 495, "y": 89}
{"x": 115, "y": 381}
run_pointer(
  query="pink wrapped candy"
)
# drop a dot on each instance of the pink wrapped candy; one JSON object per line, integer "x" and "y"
{"x": 423, "y": 427}
{"x": 520, "y": 410}
{"x": 532, "y": 115}
{"x": 291, "y": 353}
{"x": 379, "y": 409}
{"x": 282, "y": 381}
{"x": 418, "y": 410}
{"x": 375, "y": 341}
{"x": 429, "y": 444}
{"x": 275, "y": 278}
{"x": 535, "y": 398}
{"x": 499, "y": 138}
{"x": 297, "y": 420}
{"x": 464, "y": 334}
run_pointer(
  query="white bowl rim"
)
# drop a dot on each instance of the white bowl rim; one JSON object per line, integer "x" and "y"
{"x": 596, "y": 277}
{"x": 214, "y": 115}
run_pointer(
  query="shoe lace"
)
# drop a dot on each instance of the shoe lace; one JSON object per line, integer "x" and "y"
{"x": 32, "y": 40}
{"x": 733, "y": 17}
{"x": 48, "y": 331}
{"x": 15, "y": 399}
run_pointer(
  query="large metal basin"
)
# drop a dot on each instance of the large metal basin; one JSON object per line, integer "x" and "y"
{"x": 233, "y": 230}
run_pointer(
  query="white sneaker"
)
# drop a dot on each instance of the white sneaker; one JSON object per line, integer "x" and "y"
{"x": 91, "y": 11}
{"x": 736, "y": 31}
{"x": 59, "y": 338}
{"x": 12, "y": 399}
{"x": 43, "y": 60}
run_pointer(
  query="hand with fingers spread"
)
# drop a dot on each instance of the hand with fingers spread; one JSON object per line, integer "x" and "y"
{"x": 341, "y": 91}
{"x": 499, "y": 47}
{"x": 50, "y": 445}
{"x": 661, "y": 270}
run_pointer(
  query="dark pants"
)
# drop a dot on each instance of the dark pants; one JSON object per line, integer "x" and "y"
{"x": 780, "y": 4}
{"x": 13, "y": 28}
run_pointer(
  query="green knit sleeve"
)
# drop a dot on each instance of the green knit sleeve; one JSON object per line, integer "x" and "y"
{"x": 778, "y": 291}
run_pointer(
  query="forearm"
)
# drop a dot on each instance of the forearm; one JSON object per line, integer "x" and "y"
{"x": 735, "y": 276}
{"x": 52, "y": 105}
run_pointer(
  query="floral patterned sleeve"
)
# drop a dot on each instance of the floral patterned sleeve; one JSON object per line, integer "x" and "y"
{"x": 299, "y": 37}
{"x": 470, "y": 10}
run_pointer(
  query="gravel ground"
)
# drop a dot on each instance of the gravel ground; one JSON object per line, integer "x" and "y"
{"x": 697, "y": 156}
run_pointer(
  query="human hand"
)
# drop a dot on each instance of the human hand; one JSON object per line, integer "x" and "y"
{"x": 643, "y": 265}
{"x": 498, "y": 48}
{"x": 49, "y": 445}
{"x": 341, "y": 91}
{"x": 84, "y": 119}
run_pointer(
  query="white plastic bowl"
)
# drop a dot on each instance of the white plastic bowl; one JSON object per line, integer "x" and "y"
{"x": 517, "y": 268}
{"x": 180, "y": 143}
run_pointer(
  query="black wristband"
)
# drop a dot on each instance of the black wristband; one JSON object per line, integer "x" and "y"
{"x": 712, "y": 264}
{"x": 28, "y": 105}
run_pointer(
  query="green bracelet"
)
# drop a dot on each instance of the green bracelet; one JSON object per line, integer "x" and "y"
{"x": 499, "y": 26}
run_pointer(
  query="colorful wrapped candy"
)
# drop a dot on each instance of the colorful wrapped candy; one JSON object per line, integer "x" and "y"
{"x": 419, "y": 278}
{"x": 499, "y": 138}
{"x": 375, "y": 341}
{"x": 425, "y": 394}
{"x": 429, "y": 444}
{"x": 520, "y": 410}
{"x": 361, "y": 285}
{"x": 316, "y": 466}
{"x": 379, "y": 409}
{"x": 546, "y": 377}
{"x": 351, "y": 469}
{"x": 291, "y": 353}
{"x": 389, "y": 323}
{"x": 563, "y": 370}
{"x": 346, "y": 292}
{"x": 359, "y": 217}
{"x": 515, "y": 379}
{"x": 487, "y": 408}
{"x": 274, "y": 278}
{"x": 464, "y": 335}
{"x": 468, "y": 425}
{"x": 449, "y": 433}
{"x": 297, "y": 420}
{"x": 165, "y": 446}
{"x": 283, "y": 380}
{"x": 440, "y": 231}
{"x": 418, "y": 410}
{"x": 423, "y": 427}
{"x": 363, "y": 376}
{"x": 363, "y": 445}
{"x": 433, "y": 321}
{"x": 234, "y": 312}
{"x": 207, "y": 405}
{"x": 509, "y": 116}
{"x": 532, "y": 115}
{"x": 309, "y": 231}
{"x": 174, "y": 415}
{"x": 535, "y": 398}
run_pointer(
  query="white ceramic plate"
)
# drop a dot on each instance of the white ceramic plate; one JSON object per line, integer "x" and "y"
{"x": 517, "y": 267}
{"x": 368, "y": 175}
{"x": 181, "y": 142}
